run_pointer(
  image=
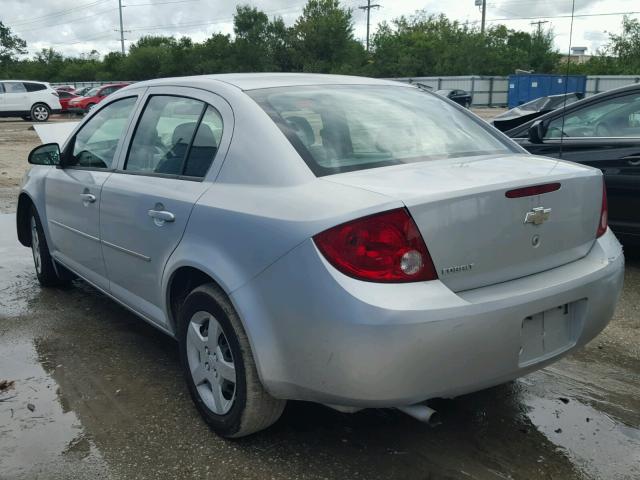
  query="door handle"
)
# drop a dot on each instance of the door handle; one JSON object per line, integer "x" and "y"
{"x": 162, "y": 215}
{"x": 88, "y": 197}
{"x": 633, "y": 160}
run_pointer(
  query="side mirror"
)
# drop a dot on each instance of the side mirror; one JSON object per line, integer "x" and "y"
{"x": 47, "y": 154}
{"x": 537, "y": 131}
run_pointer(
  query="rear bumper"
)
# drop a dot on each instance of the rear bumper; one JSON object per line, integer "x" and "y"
{"x": 318, "y": 335}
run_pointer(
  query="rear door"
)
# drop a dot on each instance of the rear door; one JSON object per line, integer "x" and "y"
{"x": 605, "y": 135}
{"x": 73, "y": 192}
{"x": 147, "y": 202}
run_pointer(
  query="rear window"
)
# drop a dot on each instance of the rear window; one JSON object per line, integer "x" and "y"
{"x": 344, "y": 128}
{"x": 34, "y": 87}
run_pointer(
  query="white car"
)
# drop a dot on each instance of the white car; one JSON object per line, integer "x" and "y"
{"x": 29, "y": 100}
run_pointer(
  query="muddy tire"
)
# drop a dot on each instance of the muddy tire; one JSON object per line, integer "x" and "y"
{"x": 219, "y": 368}
{"x": 45, "y": 270}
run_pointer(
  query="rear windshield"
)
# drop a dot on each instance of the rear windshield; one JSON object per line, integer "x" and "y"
{"x": 344, "y": 128}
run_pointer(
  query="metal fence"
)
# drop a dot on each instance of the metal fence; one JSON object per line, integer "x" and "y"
{"x": 487, "y": 91}
{"x": 493, "y": 91}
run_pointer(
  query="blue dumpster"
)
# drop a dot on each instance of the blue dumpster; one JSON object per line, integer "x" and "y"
{"x": 526, "y": 87}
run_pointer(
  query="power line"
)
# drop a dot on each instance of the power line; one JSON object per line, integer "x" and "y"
{"x": 539, "y": 23}
{"x": 368, "y": 8}
{"x": 59, "y": 13}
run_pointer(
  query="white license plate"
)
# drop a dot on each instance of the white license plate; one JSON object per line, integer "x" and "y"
{"x": 549, "y": 333}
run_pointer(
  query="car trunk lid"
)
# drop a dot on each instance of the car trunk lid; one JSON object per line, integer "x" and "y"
{"x": 478, "y": 236}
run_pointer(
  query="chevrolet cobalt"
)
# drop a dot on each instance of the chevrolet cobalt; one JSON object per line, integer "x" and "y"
{"x": 342, "y": 240}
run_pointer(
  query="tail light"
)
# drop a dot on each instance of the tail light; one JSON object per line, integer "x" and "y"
{"x": 385, "y": 247}
{"x": 604, "y": 213}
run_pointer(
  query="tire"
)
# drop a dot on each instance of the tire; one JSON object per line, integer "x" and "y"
{"x": 45, "y": 270}
{"x": 40, "y": 112}
{"x": 243, "y": 407}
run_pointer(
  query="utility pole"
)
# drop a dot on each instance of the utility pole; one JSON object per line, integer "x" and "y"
{"x": 484, "y": 16}
{"x": 121, "y": 29}
{"x": 368, "y": 8}
{"x": 539, "y": 23}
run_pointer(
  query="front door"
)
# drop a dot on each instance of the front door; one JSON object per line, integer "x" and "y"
{"x": 73, "y": 191}
{"x": 15, "y": 98}
{"x": 146, "y": 204}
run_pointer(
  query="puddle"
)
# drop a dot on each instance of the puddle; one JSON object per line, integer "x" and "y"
{"x": 36, "y": 433}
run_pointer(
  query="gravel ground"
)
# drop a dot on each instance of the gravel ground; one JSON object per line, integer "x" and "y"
{"x": 98, "y": 393}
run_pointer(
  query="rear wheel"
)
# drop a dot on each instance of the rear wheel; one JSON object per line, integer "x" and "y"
{"x": 45, "y": 270}
{"x": 219, "y": 367}
{"x": 40, "y": 112}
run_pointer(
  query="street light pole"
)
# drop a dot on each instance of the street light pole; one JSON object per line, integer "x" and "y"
{"x": 121, "y": 29}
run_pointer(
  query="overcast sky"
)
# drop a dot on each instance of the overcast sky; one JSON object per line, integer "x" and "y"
{"x": 79, "y": 26}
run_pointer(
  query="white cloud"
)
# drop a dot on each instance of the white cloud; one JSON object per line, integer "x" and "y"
{"x": 79, "y": 26}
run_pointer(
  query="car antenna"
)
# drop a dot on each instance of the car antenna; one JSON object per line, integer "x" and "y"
{"x": 566, "y": 78}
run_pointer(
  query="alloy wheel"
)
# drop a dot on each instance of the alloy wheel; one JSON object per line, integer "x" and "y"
{"x": 211, "y": 363}
{"x": 40, "y": 113}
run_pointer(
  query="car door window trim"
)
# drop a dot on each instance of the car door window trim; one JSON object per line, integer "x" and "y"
{"x": 206, "y": 106}
{"x": 68, "y": 150}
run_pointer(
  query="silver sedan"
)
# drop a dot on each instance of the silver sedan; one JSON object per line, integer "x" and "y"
{"x": 342, "y": 240}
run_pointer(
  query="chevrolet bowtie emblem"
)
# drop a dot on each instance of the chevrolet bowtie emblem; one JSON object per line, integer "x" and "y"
{"x": 537, "y": 216}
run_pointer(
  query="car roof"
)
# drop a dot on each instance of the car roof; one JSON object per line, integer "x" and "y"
{"x": 22, "y": 81}
{"x": 253, "y": 81}
{"x": 576, "y": 105}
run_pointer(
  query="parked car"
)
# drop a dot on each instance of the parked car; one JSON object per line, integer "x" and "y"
{"x": 602, "y": 131}
{"x": 461, "y": 97}
{"x": 349, "y": 241}
{"x": 81, "y": 92}
{"x": 533, "y": 109}
{"x": 65, "y": 88}
{"x": 65, "y": 98}
{"x": 29, "y": 100}
{"x": 93, "y": 97}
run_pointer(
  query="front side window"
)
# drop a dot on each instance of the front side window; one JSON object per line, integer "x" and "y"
{"x": 175, "y": 136}
{"x": 94, "y": 146}
{"x": 14, "y": 87}
{"x": 343, "y": 128}
{"x": 615, "y": 117}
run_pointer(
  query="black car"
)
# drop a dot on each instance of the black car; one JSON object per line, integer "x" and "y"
{"x": 533, "y": 109}
{"x": 462, "y": 97}
{"x": 602, "y": 131}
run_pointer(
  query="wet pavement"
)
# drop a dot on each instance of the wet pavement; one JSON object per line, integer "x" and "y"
{"x": 99, "y": 394}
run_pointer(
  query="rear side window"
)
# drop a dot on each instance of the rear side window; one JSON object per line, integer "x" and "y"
{"x": 34, "y": 87}
{"x": 14, "y": 87}
{"x": 341, "y": 128}
{"x": 175, "y": 136}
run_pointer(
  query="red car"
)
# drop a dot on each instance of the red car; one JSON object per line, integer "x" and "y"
{"x": 93, "y": 96}
{"x": 65, "y": 97}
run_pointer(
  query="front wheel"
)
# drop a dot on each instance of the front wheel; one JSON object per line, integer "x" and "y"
{"x": 45, "y": 270}
{"x": 219, "y": 367}
{"x": 40, "y": 112}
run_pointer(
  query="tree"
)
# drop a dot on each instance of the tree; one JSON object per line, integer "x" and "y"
{"x": 626, "y": 46}
{"x": 323, "y": 38}
{"x": 10, "y": 46}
